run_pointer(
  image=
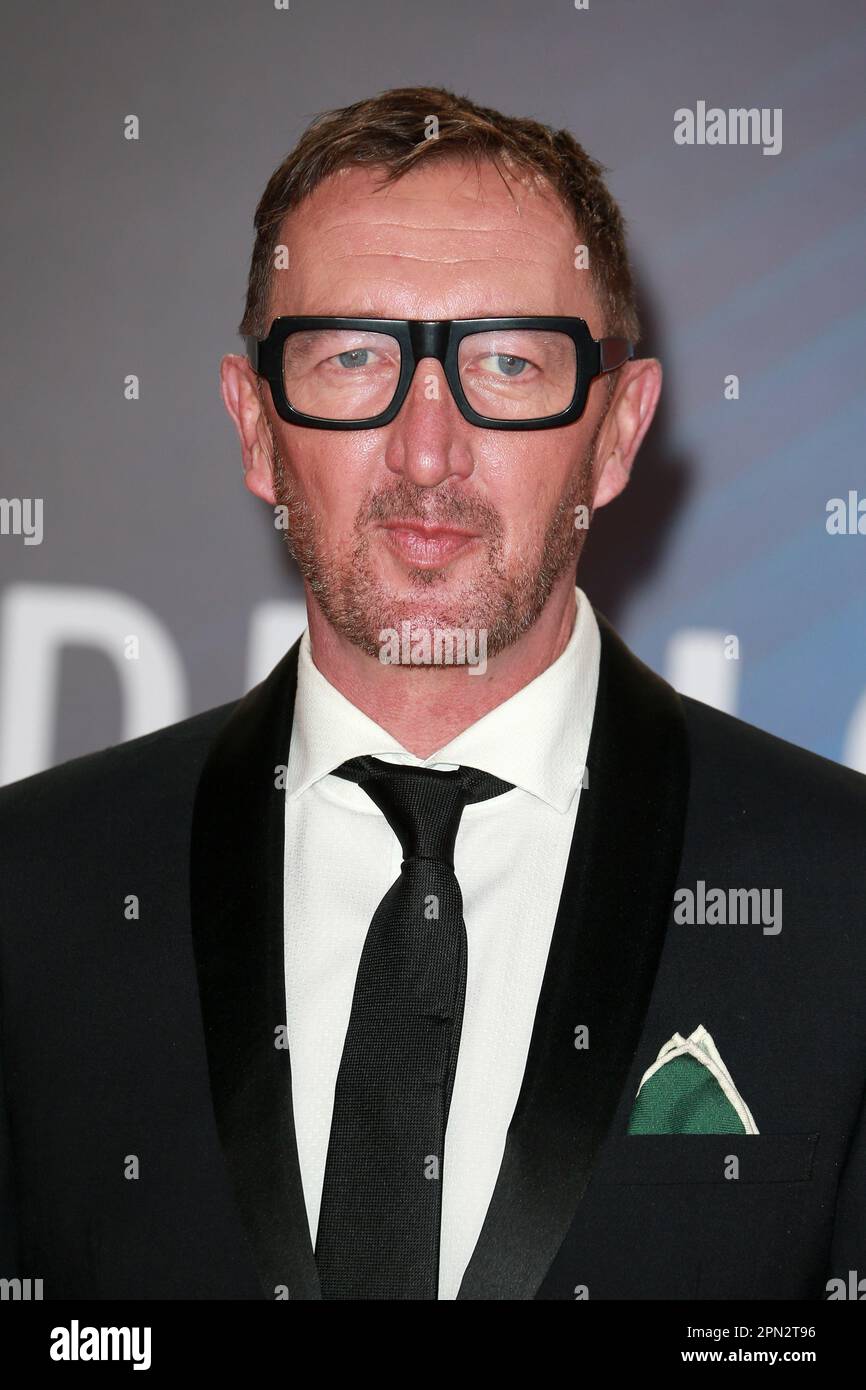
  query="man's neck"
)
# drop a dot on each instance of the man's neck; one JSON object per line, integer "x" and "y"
{"x": 425, "y": 707}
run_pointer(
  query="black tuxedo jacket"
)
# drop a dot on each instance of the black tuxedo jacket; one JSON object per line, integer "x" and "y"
{"x": 148, "y": 1146}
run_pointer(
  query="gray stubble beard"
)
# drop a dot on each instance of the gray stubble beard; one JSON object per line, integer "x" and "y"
{"x": 504, "y": 605}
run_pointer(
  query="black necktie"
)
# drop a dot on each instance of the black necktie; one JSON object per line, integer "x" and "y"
{"x": 378, "y": 1234}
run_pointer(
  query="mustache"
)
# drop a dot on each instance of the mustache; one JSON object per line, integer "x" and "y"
{"x": 430, "y": 507}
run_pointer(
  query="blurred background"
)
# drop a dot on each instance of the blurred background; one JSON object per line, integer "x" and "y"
{"x": 129, "y": 257}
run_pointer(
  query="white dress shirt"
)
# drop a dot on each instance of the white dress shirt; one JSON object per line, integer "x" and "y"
{"x": 510, "y": 857}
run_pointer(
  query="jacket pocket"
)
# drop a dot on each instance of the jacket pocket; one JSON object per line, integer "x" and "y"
{"x": 706, "y": 1158}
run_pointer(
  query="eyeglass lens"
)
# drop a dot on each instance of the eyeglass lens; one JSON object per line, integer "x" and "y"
{"x": 351, "y": 374}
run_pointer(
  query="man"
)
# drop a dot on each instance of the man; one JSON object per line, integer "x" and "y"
{"x": 462, "y": 958}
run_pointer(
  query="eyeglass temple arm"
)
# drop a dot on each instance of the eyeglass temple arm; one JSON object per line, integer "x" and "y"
{"x": 252, "y": 346}
{"x": 612, "y": 353}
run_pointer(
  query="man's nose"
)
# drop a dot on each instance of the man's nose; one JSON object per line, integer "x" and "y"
{"x": 429, "y": 440}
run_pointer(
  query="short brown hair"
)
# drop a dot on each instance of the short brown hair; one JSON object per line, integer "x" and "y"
{"x": 388, "y": 132}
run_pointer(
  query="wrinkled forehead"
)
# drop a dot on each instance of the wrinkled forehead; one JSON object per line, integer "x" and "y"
{"x": 429, "y": 244}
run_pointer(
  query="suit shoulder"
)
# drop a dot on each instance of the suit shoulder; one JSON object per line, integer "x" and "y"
{"x": 751, "y": 762}
{"x": 156, "y": 763}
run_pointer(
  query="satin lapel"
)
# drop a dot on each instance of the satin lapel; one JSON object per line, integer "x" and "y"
{"x": 609, "y": 930}
{"x": 237, "y": 920}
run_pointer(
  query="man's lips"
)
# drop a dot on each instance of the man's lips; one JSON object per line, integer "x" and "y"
{"x": 424, "y": 544}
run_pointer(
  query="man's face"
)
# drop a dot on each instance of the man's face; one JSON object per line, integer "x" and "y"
{"x": 487, "y": 517}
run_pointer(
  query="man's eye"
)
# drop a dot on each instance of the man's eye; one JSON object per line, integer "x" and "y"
{"x": 355, "y": 357}
{"x": 508, "y": 364}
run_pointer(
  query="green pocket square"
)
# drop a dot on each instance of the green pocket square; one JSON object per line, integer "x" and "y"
{"x": 689, "y": 1090}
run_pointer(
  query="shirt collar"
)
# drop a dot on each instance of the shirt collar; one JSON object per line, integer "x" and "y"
{"x": 537, "y": 739}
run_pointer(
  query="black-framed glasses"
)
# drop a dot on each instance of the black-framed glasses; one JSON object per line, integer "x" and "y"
{"x": 526, "y": 373}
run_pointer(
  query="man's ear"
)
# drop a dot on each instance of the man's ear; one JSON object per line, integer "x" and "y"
{"x": 628, "y": 418}
{"x": 242, "y": 397}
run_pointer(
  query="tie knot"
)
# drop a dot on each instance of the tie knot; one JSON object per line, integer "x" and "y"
{"x": 423, "y": 805}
